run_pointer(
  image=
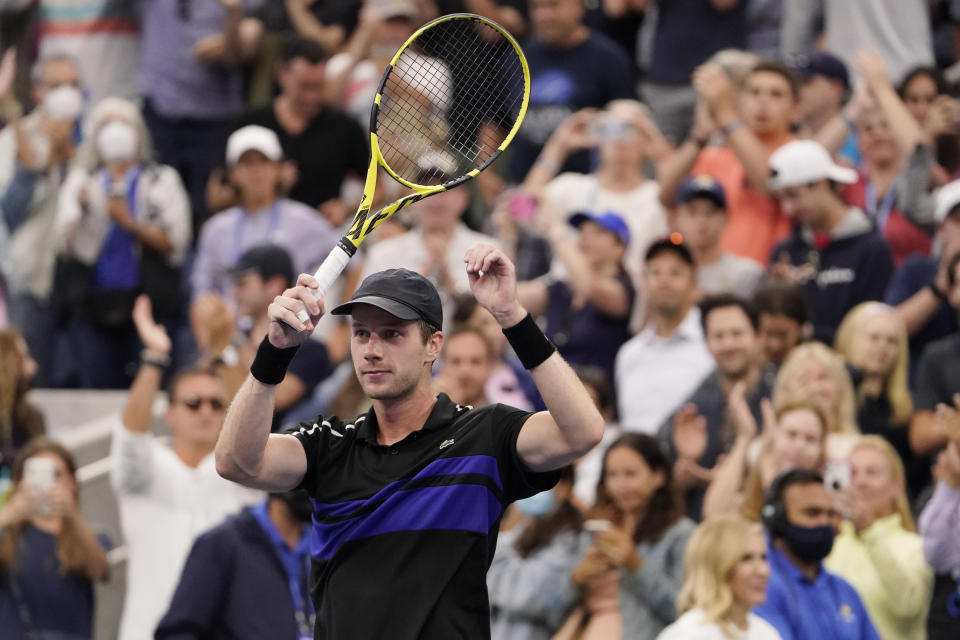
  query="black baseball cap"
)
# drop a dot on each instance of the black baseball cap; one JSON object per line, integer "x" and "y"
{"x": 669, "y": 246}
{"x": 400, "y": 292}
{"x": 268, "y": 260}
{"x": 823, "y": 64}
{"x": 702, "y": 186}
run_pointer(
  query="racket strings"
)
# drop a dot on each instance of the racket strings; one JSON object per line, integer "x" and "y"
{"x": 447, "y": 106}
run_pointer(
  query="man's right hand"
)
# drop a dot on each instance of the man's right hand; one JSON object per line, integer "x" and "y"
{"x": 286, "y": 330}
{"x": 153, "y": 336}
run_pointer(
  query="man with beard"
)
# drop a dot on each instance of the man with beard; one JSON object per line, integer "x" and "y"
{"x": 701, "y": 431}
{"x": 248, "y": 577}
{"x": 804, "y": 600}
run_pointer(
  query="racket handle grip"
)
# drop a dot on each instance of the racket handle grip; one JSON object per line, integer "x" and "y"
{"x": 333, "y": 265}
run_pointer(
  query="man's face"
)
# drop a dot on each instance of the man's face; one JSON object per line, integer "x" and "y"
{"x": 254, "y": 294}
{"x": 700, "y": 221}
{"x": 196, "y": 411}
{"x": 441, "y": 212}
{"x": 669, "y": 283}
{"x": 766, "y": 103}
{"x": 389, "y": 354}
{"x": 731, "y": 340}
{"x": 777, "y": 336}
{"x": 809, "y": 505}
{"x": 804, "y": 203}
{"x": 554, "y": 20}
{"x": 467, "y": 360}
{"x": 819, "y": 96}
{"x": 256, "y": 175}
{"x": 56, "y": 73}
{"x": 302, "y": 82}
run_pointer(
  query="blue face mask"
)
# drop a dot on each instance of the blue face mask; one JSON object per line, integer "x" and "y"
{"x": 537, "y": 505}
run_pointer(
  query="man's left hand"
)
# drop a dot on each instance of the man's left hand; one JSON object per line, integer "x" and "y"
{"x": 493, "y": 280}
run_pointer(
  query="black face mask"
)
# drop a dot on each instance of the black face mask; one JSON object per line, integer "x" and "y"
{"x": 811, "y": 544}
{"x": 298, "y": 503}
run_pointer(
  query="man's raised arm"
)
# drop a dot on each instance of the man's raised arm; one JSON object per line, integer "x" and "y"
{"x": 246, "y": 451}
{"x": 572, "y": 425}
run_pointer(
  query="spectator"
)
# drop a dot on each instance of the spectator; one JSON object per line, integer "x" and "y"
{"x": 834, "y": 251}
{"x": 103, "y": 38}
{"x": 937, "y": 380}
{"x": 892, "y": 187}
{"x": 587, "y": 312}
{"x": 763, "y": 28}
{"x": 804, "y": 600}
{"x": 631, "y": 573}
{"x": 878, "y": 550}
{"x": 701, "y": 431}
{"x": 437, "y": 244}
{"x": 49, "y": 557}
{"x": 624, "y": 137}
{"x": 700, "y": 218}
{"x": 687, "y": 34}
{"x": 326, "y": 23}
{"x": 166, "y": 497}
{"x": 571, "y": 67}
{"x": 920, "y": 288}
{"x": 925, "y": 94}
{"x": 814, "y": 372}
{"x": 795, "y": 437}
{"x": 513, "y": 222}
{"x": 899, "y": 29}
{"x": 232, "y": 584}
{"x": 304, "y": 122}
{"x": 873, "y": 341}
{"x": 354, "y": 74}
{"x": 34, "y": 158}
{"x": 939, "y": 523}
{"x": 656, "y": 370}
{"x": 191, "y": 81}
{"x": 725, "y": 572}
{"x": 261, "y": 274}
{"x": 781, "y": 320}
{"x": 20, "y": 420}
{"x": 597, "y": 384}
{"x": 509, "y": 383}
{"x": 754, "y": 120}
{"x": 466, "y": 364}
{"x": 824, "y": 86}
{"x": 124, "y": 223}
{"x": 533, "y": 560}
{"x": 262, "y": 217}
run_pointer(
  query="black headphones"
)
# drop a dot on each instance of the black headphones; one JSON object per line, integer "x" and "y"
{"x": 774, "y": 511}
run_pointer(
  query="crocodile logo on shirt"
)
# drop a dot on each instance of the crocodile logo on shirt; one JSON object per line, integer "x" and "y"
{"x": 445, "y": 444}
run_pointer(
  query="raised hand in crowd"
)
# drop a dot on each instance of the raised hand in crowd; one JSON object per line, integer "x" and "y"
{"x": 690, "y": 443}
{"x": 619, "y": 548}
{"x": 718, "y": 90}
{"x": 572, "y": 135}
{"x": 213, "y": 323}
{"x": 153, "y": 335}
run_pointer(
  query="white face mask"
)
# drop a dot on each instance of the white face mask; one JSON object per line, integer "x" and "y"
{"x": 117, "y": 142}
{"x": 64, "y": 103}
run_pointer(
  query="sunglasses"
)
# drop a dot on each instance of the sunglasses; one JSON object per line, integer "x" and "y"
{"x": 194, "y": 404}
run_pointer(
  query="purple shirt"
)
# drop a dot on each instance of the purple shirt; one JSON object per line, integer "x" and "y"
{"x": 299, "y": 229}
{"x": 939, "y": 523}
{"x": 177, "y": 84}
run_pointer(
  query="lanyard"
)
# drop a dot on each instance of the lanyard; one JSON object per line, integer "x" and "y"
{"x": 882, "y": 214}
{"x": 272, "y": 222}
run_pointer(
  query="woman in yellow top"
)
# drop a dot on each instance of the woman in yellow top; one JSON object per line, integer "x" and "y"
{"x": 878, "y": 549}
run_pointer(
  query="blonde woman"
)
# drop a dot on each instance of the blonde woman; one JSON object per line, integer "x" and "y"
{"x": 725, "y": 575}
{"x": 878, "y": 550}
{"x": 814, "y": 372}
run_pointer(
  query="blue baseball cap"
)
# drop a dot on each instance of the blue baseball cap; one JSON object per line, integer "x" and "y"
{"x": 608, "y": 220}
{"x": 823, "y": 64}
{"x": 702, "y": 186}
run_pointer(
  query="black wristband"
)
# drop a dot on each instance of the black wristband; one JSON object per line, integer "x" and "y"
{"x": 529, "y": 343}
{"x": 941, "y": 296}
{"x": 270, "y": 365}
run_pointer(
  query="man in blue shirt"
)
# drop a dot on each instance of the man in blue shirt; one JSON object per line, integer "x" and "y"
{"x": 804, "y": 600}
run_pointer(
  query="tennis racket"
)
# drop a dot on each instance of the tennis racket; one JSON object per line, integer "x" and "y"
{"x": 449, "y": 103}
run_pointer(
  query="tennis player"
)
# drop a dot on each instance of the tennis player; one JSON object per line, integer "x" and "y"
{"x": 407, "y": 499}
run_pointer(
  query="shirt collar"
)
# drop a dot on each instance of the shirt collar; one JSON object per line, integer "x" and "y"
{"x": 688, "y": 329}
{"x": 780, "y": 562}
{"x": 443, "y": 413}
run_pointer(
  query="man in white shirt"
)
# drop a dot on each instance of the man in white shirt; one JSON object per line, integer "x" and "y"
{"x": 167, "y": 496}
{"x": 660, "y": 367}
{"x": 435, "y": 246}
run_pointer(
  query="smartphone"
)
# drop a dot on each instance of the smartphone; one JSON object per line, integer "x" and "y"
{"x": 39, "y": 475}
{"x": 522, "y": 206}
{"x": 597, "y": 526}
{"x": 837, "y": 475}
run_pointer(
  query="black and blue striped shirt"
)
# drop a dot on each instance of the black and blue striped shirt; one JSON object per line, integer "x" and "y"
{"x": 403, "y": 534}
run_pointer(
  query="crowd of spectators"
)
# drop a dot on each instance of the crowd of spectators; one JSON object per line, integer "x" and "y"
{"x": 739, "y": 220}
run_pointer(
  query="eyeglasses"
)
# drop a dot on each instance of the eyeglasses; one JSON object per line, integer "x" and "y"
{"x": 194, "y": 404}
